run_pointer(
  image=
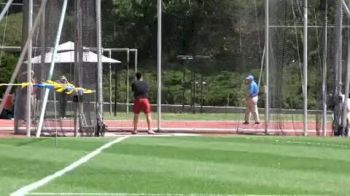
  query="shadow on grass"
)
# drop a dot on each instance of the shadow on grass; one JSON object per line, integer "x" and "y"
{"x": 31, "y": 141}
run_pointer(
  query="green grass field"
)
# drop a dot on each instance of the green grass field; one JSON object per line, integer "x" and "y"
{"x": 179, "y": 166}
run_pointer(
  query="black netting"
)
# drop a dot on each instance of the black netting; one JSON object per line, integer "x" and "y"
{"x": 286, "y": 62}
{"x": 79, "y": 31}
{"x": 208, "y": 50}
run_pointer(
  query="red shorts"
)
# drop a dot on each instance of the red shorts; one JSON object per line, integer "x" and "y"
{"x": 142, "y": 105}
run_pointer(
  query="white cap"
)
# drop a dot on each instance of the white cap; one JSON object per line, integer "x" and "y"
{"x": 250, "y": 77}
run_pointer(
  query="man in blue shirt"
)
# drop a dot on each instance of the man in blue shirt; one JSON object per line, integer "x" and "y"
{"x": 252, "y": 100}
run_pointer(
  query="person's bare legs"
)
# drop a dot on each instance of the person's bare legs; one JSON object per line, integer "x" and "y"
{"x": 136, "y": 120}
{"x": 149, "y": 121}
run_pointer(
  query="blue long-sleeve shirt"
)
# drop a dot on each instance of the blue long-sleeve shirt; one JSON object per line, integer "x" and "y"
{"x": 253, "y": 89}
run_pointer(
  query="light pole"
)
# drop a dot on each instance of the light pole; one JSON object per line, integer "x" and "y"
{"x": 199, "y": 58}
{"x": 203, "y": 83}
{"x": 195, "y": 83}
{"x": 185, "y": 59}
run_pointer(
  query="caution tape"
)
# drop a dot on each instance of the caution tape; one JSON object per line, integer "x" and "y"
{"x": 67, "y": 88}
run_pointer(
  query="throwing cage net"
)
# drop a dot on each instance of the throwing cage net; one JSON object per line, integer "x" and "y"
{"x": 326, "y": 41}
{"x": 75, "y": 64}
{"x": 210, "y": 48}
{"x": 207, "y": 55}
{"x": 286, "y": 71}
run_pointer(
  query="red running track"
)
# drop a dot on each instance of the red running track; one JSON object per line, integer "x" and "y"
{"x": 215, "y": 127}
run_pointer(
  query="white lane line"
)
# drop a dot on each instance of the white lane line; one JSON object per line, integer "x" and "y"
{"x": 31, "y": 187}
{"x": 154, "y": 135}
{"x": 152, "y": 194}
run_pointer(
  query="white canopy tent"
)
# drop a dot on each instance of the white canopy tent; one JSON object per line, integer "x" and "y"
{"x": 66, "y": 55}
{"x": 66, "y": 46}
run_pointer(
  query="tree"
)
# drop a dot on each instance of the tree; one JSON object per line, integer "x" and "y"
{"x": 11, "y": 28}
{"x": 8, "y": 62}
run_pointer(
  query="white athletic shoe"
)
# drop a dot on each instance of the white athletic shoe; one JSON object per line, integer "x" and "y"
{"x": 134, "y": 132}
{"x": 151, "y": 132}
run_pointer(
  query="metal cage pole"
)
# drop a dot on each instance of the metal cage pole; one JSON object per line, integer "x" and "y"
{"x": 338, "y": 45}
{"x": 159, "y": 63}
{"x": 347, "y": 77}
{"x": 135, "y": 59}
{"x": 99, "y": 64}
{"x": 127, "y": 80}
{"x": 347, "y": 80}
{"x": 267, "y": 68}
{"x": 305, "y": 59}
{"x": 43, "y": 50}
{"x": 340, "y": 59}
{"x": 127, "y": 52}
{"x": 78, "y": 62}
{"x": 22, "y": 56}
{"x": 29, "y": 71}
{"x": 5, "y": 9}
{"x": 324, "y": 73}
{"x": 115, "y": 89}
{"x": 110, "y": 83}
{"x": 52, "y": 66}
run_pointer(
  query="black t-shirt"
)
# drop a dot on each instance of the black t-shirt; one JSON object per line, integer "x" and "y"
{"x": 140, "y": 89}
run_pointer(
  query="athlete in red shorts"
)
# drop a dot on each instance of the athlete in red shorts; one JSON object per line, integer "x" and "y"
{"x": 141, "y": 102}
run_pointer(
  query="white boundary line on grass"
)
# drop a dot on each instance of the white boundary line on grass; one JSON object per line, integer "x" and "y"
{"x": 31, "y": 187}
{"x": 234, "y": 129}
{"x": 149, "y": 194}
{"x": 155, "y": 135}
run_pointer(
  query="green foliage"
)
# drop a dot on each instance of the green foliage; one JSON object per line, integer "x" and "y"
{"x": 229, "y": 32}
{"x": 175, "y": 86}
{"x": 11, "y": 28}
{"x": 7, "y": 65}
{"x": 292, "y": 88}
